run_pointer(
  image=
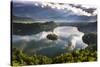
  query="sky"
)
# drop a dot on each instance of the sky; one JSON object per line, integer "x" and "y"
{"x": 49, "y": 11}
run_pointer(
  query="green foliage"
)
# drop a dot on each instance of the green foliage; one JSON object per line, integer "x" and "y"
{"x": 52, "y": 36}
{"x": 63, "y": 58}
{"x": 85, "y": 55}
{"x": 19, "y": 59}
{"x": 90, "y": 38}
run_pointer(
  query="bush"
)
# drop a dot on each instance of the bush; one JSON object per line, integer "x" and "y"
{"x": 83, "y": 55}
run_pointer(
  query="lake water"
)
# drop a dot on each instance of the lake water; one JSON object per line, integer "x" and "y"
{"x": 69, "y": 39}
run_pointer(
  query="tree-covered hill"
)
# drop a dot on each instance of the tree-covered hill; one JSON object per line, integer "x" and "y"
{"x": 32, "y": 28}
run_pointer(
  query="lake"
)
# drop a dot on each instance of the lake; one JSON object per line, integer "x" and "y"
{"x": 69, "y": 39}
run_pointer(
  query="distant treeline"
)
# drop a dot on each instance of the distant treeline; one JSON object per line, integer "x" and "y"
{"x": 34, "y": 28}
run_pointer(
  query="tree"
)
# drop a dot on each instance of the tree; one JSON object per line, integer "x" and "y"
{"x": 90, "y": 38}
{"x": 52, "y": 36}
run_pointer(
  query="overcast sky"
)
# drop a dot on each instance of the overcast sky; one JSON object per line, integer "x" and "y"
{"x": 47, "y": 11}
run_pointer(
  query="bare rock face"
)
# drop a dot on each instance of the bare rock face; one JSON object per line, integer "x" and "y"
{"x": 52, "y": 37}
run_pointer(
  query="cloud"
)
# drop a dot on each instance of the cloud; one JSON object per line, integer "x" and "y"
{"x": 76, "y": 9}
{"x": 45, "y": 11}
{"x": 95, "y": 12}
{"x": 68, "y": 37}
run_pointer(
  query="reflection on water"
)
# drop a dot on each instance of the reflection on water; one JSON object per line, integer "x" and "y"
{"x": 69, "y": 38}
